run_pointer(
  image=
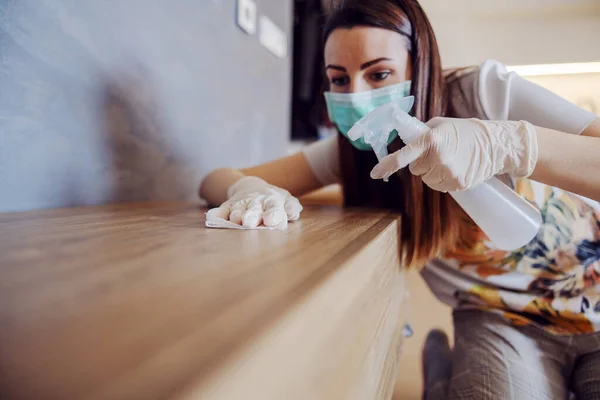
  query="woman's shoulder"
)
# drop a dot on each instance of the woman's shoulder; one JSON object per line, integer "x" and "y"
{"x": 468, "y": 90}
{"x": 492, "y": 92}
{"x": 462, "y": 92}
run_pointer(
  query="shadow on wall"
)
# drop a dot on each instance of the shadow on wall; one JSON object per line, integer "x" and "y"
{"x": 142, "y": 165}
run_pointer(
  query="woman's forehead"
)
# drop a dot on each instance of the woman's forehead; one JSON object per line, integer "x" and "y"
{"x": 361, "y": 44}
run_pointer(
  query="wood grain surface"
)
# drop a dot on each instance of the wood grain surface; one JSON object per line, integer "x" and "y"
{"x": 141, "y": 301}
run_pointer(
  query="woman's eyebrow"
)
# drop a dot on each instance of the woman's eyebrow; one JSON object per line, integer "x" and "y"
{"x": 363, "y": 66}
{"x": 330, "y": 66}
{"x": 373, "y": 62}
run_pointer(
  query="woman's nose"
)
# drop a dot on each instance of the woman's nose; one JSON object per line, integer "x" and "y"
{"x": 357, "y": 86}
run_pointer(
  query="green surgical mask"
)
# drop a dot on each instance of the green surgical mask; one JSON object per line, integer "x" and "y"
{"x": 345, "y": 109}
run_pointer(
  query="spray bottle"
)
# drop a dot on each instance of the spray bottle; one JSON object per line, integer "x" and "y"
{"x": 509, "y": 221}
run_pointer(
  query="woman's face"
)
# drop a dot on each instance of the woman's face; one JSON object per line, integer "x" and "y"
{"x": 365, "y": 58}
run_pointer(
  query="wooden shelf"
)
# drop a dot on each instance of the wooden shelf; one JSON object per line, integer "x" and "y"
{"x": 143, "y": 302}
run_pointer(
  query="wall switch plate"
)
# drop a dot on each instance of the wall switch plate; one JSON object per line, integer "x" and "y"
{"x": 272, "y": 37}
{"x": 246, "y": 16}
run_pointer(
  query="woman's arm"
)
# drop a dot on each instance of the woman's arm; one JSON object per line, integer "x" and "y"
{"x": 570, "y": 162}
{"x": 292, "y": 173}
{"x": 459, "y": 154}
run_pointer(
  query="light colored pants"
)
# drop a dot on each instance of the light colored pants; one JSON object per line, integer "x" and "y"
{"x": 495, "y": 360}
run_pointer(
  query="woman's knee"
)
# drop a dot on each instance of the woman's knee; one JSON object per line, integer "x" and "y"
{"x": 586, "y": 377}
{"x": 495, "y": 360}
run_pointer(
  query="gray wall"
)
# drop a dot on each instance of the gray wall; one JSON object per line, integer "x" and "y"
{"x": 125, "y": 100}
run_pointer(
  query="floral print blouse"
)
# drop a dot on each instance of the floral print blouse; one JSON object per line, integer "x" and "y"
{"x": 553, "y": 282}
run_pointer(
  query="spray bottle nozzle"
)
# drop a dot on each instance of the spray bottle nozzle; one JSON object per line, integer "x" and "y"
{"x": 376, "y": 127}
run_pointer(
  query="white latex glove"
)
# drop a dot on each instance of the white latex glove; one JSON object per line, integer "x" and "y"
{"x": 458, "y": 154}
{"x": 252, "y": 202}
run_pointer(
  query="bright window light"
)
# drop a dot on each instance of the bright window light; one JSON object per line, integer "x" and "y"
{"x": 556, "y": 69}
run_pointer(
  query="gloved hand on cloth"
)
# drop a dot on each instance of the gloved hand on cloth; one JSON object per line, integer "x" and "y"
{"x": 254, "y": 204}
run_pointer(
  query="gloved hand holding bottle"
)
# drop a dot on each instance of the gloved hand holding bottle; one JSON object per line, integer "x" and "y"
{"x": 453, "y": 155}
{"x": 253, "y": 203}
{"x": 459, "y": 154}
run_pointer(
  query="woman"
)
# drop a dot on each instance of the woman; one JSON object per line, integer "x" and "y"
{"x": 525, "y": 321}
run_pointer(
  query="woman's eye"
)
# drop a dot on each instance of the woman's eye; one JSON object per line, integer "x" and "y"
{"x": 380, "y": 76}
{"x": 342, "y": 81}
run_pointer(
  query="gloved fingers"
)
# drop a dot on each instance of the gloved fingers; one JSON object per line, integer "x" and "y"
{"x": 436, "y": 121}
{"x": 388, "y": 174}
{"x": 253, "y": 216}
{"x": 274, "y": 211}
{"x": 238, "y": 209}
{"x": 222, "y": 211}
{"x": 398, "y": 160}
{"x": 447, "y": 185}
{"x": 439, "y": 187}
{"x": 274, "y": 217}
{"x": 435, "y": 176}
{"x": 386, "y": 167}
{"x": 421, "y": 166}
{"x": 293, "y": 208}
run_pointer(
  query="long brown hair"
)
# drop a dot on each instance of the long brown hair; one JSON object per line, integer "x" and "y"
{"x": 429, "y": 218}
